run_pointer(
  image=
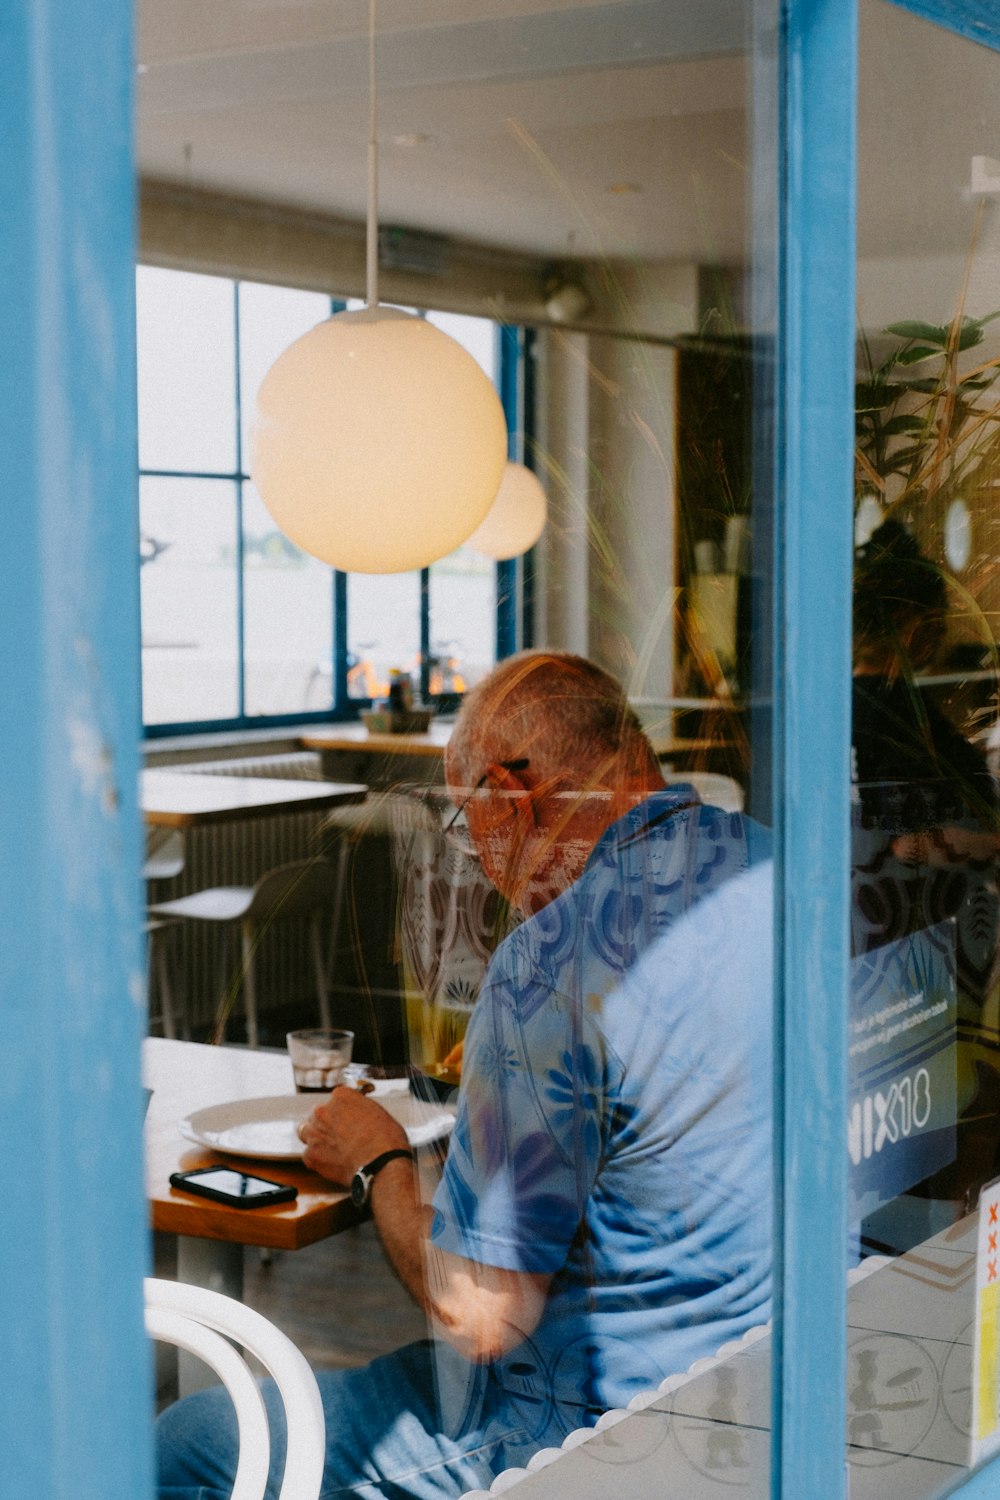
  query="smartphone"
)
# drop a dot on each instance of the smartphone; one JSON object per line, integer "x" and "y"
{"x": 238, "y": 1189}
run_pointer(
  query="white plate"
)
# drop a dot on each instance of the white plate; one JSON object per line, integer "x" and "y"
{"x": 267, "y": 1128}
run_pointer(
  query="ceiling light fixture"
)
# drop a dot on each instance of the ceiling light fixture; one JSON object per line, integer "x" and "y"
{"x": 516, "y": 519}
{"x": 378, "y": 442}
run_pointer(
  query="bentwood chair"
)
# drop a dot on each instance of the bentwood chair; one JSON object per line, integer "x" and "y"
{"x": 302, "y": 888}
{"x": 202, "y": 1323}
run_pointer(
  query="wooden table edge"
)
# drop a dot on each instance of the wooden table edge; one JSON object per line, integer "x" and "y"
{"x": 283, "y": 1227}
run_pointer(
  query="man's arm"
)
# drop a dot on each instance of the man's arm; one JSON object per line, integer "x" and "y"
{"x": 482, "y": 1310}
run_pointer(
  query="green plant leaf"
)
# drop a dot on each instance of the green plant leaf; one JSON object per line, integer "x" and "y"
{"x": 970, "y": 334}
{"x": 930, "y": 333}
{"x": 918, "y": 352}
{"x": 937, "y": 335}
{"x": 903, "y": 424}
{"x": 924, "y": 387}
{"x": 875, "y": 395}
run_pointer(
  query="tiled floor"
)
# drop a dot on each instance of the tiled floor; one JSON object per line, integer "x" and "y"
{"x": 337, "y": 1300}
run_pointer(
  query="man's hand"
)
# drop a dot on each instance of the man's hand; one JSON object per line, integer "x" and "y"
{"x": 482, "y": 1311}
{"x": 347, "y": 1131}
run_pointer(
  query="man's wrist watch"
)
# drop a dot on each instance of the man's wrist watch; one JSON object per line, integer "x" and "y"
{"x": 361, "y": 1182}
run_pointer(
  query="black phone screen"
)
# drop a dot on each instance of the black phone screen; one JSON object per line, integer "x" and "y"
{"x": 227, "y": 1185}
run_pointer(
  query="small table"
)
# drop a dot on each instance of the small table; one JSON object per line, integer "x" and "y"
{"x": 348, "y": 745}
{"x": 185, "y": 1076}
{"x": 431, "y": 742}
{"x": 185, "y": 799}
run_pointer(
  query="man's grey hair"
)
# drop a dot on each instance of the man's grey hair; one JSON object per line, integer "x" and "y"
{"x": 560, "y": 712}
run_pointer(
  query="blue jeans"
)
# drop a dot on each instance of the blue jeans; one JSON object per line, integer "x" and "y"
{"x": 386, "y": 1435}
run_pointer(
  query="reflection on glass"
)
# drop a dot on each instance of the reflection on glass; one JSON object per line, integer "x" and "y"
{"x": 190, "y": 664}
{"x": 585, "y": 909}
{"x": 463, "y": 621}
{"x": 271, "y": 318}
{"x": 924, "y": 1112}
{"x": 187, "y": 381}
{"x": 287, "y": 619}
{"x": 383, "y": 613}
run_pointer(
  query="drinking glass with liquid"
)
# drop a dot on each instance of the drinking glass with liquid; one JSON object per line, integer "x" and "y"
{"x": 319, "y": 1058}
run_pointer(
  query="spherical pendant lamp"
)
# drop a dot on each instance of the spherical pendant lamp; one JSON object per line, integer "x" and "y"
{"x": 378, "y": 442}
{"x": 516, "y": 518}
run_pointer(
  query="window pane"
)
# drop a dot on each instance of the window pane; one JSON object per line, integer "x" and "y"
{"x": 271, "y": 318}
{"x": 189, "y": 600}
{"x": 383, "y": 631}
{"x": 478, "y": 336}
{"x": 924, "y": 1108}
{"x": 186, "y": 354}
{"x": 463, "y": 596}
{"x": 463, "y": 617}
{"x": 287, "y": 619}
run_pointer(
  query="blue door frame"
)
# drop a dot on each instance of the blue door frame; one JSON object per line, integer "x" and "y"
{"x": 812, "y": 605}
{"x": 75, "y": 1397}
{"x": 75, "y": 1404}
{"x": 812, "y": 726}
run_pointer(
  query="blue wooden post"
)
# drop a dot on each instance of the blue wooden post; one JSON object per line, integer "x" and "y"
{"x": 75, "y": 1395}
{"x": 812, "y": 737}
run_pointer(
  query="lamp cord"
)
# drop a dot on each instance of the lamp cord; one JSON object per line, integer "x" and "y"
{"x": 372, "y": 241}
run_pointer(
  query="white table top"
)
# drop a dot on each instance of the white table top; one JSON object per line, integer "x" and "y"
{"x": 180, "y": 799}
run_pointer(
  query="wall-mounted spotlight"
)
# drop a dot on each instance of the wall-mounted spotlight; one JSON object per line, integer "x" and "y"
{"x": 566, "y": 298}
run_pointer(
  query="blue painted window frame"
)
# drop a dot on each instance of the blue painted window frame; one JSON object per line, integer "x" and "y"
{"x": 74, "y": 1412}
{"x": 514, "y": 617}
{"x": 814, "y": 374}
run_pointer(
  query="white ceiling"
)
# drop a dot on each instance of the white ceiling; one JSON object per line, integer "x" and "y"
{"x": 535, "y": 110}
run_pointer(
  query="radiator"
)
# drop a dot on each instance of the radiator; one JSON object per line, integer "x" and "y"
{"x": 295, "y": 765}
{"x": 237, "y": 854}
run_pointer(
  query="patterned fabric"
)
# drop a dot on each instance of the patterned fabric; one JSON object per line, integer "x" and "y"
{"x": 616, "y": 1135}
{"x": 451, "y": 919}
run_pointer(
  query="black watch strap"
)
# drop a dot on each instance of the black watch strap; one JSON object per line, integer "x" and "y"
{"x": 361, "y": 1182}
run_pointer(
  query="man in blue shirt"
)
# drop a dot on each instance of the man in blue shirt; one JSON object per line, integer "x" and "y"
{"x": 603, "y": 1218}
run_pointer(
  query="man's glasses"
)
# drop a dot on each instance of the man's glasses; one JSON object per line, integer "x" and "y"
{"x": 508, "y": 765}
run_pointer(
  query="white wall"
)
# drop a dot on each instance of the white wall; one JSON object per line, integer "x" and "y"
{"x": 606, "y": 438}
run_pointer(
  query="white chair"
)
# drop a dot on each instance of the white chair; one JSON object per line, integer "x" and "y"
{"x": 164, "y": 861}
{"x": 303, "y": 888}
{"x": 201, "y": 1322}
{"x": 164, "y": 854}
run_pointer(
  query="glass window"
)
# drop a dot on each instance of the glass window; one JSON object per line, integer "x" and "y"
{"x": 924, "y": 1044}
{"x": 190, "y": 600}
{"x": 463, "y": 589}
{"x": 187, "y": 376}
{"x": 477, "y": 336}
{"x": 287, "y": 619}
{"x": 195, "y": 423}
{"x": 383, "y": 631}
{"x": 271, "y": 318}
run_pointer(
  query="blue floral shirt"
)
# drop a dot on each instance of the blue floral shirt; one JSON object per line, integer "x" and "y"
{"x": 613, "y": 1128}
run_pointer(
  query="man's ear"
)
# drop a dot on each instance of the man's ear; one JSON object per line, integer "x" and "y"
{"x": 512, "y": 781}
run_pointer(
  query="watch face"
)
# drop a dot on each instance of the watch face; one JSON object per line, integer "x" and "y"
{"x": 359, "y": 1190}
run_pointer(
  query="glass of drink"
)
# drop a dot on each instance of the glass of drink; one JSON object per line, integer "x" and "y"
{"x": 319, "y": 1058}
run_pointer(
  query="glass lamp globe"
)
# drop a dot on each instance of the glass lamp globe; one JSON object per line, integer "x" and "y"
{"x": 516, "y": 518}
{"x": 378, "y": 442}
